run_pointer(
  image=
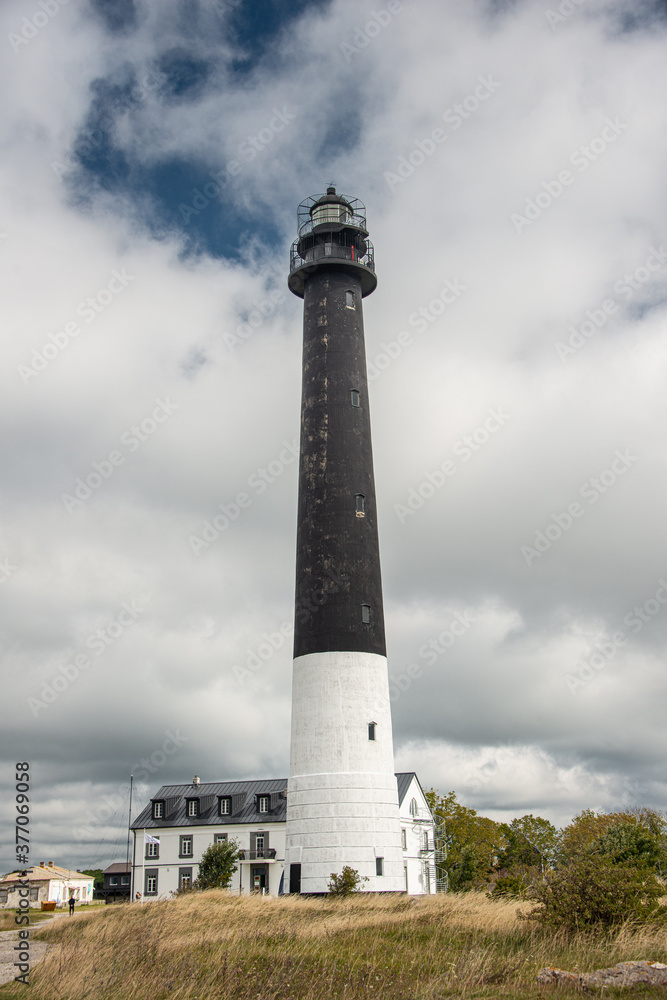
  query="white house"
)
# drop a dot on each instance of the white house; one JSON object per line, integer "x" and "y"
{"x": 46, "y": 883}
{"x": 181, "y": 821}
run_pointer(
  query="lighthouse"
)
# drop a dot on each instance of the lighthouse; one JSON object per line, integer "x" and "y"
{"x": 342, "y": 802}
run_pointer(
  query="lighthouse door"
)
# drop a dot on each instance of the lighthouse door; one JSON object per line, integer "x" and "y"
{"x": 295, "y": 878}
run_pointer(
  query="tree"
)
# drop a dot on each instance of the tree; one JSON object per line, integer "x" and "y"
{"x": 346, "y": 883}
{"x": 532, "y": 843}
{"x": 638, "y": 834}
{"x": 473, "y": 842}
{"x": 630, "y": 842}
{"x": 217, "y": 865}
{"x": 97, "y": 874}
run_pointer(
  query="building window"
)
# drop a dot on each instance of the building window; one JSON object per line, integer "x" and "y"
{"x": 379, "y": 866}
{"x": 152, "y": 850}
{"x": 114, "y": 878}
{"x": 34, "y": 895}
{"x": 360, "y": 504}
{"x": 349, "y": 300}
{"x": 219, "y": 838}
{"x": 366, "y": 613}
{"x": 263, "y": 803}
{"x": 185, "y": 847}
{"x": 3, "y": 895}
{"x": 425, "y": 840}
{"x": 413, "y": 808}
{"x": 225, "y": 807}
{"x": 158, "y": 810}
{"x": 150, "y": 887}
{"x": 259, "y": 845}
{"x": 404, "y": 839}
{"x": 193, "y": 807}
{"x": 371, "y": 730}
{"x": 184, "y": 879}
{"x": 354, "y": 397}
{"x": 125, "y": 880}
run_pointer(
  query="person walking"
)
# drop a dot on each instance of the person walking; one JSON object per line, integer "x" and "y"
{"x": 72, "y": 901}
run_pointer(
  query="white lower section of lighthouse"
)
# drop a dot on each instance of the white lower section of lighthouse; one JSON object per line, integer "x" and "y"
{"x": 342, "y": 799}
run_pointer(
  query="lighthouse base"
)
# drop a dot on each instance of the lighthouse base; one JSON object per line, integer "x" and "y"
{"x": 342, "y": 798}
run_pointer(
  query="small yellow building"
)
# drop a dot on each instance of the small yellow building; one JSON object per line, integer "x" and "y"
{"x": 47, "y": 883}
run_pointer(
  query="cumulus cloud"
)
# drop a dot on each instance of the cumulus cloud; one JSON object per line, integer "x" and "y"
{"x": 513, "y": 167}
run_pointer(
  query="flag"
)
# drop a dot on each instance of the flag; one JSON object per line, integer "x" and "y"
{"x": 150, "y": 840}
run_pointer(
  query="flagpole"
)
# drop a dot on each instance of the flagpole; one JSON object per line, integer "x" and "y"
{"x": 129, "y": 822}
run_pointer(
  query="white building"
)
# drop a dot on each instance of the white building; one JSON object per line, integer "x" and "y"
{"x": 186, "y": 819}
{"x": 46, "y": 883}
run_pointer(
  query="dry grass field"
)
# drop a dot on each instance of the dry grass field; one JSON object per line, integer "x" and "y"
{"x": 214, "y": 946}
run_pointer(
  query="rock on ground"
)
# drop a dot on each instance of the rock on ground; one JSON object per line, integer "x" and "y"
{"x": 623, "y": 974}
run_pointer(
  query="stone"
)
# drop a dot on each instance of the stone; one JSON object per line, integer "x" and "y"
{"x": 623, "y": 974}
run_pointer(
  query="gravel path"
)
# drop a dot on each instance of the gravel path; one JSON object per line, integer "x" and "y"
{"x": 9, "y": 939}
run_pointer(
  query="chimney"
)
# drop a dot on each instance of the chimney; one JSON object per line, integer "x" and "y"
{"x": 41, "y": 864}
{"x": 50, "y": 864}
{"x": 195, "y": 780}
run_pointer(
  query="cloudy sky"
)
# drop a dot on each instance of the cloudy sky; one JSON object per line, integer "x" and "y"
{"x": 512, "y": 157}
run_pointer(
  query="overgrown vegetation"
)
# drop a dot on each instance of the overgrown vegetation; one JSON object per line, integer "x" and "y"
{"x": 591, "y": 892}
{"x": 218, "y": 946}
{"x": 600, "y": 870}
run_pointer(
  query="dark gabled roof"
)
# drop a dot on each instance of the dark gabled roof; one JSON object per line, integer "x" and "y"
{"x": 404, "y": 780}
{"x": 118, "y": 868}
{"x": 244, "y": 803}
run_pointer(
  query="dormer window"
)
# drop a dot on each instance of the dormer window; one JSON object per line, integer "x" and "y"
{"x": 193, "y": 808}
{"x": 158, "y": 810}
{"x": 225, "y": 806}
{"x": 263, "y": 803}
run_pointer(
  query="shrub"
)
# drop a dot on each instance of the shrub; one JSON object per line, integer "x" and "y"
{"x": 346, "y": 883}
{"x": 591, "y": 892}
{"x": 217, "y": 865}
{"x": 508, "y": 885}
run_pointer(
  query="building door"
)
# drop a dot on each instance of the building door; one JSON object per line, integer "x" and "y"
{"x": 295, "y": 878}
{"x": 258, "y": 878}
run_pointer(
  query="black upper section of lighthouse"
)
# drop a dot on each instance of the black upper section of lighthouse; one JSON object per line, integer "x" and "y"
{"x": 338, "y": 582}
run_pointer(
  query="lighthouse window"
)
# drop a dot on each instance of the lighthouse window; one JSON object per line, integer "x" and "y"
{"x": 360, "y": 504}
{"x": 371, "y": 730}
{"x": 349, "y": 300}
{"x": 366, "y": 613}
{"x": 379, "y": 866}
{"x": 354, "y": 397}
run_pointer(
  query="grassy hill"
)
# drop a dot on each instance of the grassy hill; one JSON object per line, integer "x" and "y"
{"x": 214, "y": 946}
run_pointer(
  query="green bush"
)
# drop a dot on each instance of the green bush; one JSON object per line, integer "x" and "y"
{"x": 218, "y": 864}
{"x": 591, "y": 892}
{"x": 508, "y": 885}
{"x": 346, "y": 883}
